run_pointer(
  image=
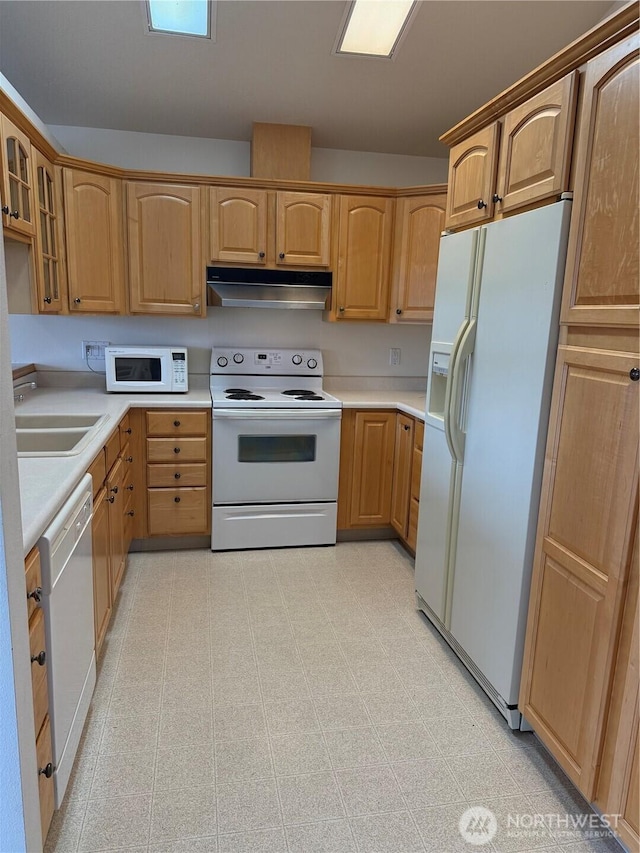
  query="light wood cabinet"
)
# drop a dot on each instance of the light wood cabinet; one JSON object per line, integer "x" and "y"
{"x": 361, "y": 280}
{"x": 166, "y": 261}
{"x": 403, "y": 457}
{"x": 586, "y": 523}
{"x": 95, "y": 253}
{"x": 44, "y": 757}
{"x": 51, "y": 272}
{"x": 101, "y": 568}
{"x": 17, "y": 180}
{"x": 419, "y": 224}
{"x": 472, "y": 173}
{"x": 238, "y": 225}
{"x": 601, "y": 284}
{"x": 303, "y": 229}
{"x": 115, "y": 499}
{"x": 38, "y": 647}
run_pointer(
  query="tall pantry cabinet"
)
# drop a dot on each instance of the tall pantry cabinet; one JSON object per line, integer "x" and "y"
{"x": 580, "y": 672}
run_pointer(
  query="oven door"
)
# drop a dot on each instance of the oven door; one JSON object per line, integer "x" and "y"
{"x": 272, "y": 456}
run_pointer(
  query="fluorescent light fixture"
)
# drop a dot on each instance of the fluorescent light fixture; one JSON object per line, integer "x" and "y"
{"x": 375, "y": 27}
{"x": 180, "y": 17}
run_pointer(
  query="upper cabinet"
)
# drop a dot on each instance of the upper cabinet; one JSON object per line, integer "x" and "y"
{"x": 419, "y": 224}
{"x": 303, "y": 229}
{"x": 361, "y": 276}
{"x": 166, "y": 261}
{"x": 50, "y": 267}
{"x": 533, "y": 164}
{"x": 17, "y": 177}
{"x": 270, "y": 228}
{"x": 601, "y": 284}
{"x": 95, "y": 253}
{"x": 238, "y": 227}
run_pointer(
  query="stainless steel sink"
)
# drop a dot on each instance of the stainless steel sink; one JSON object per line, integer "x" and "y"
{"x": 47, "y": 422}
{"x": 55, "y": 435}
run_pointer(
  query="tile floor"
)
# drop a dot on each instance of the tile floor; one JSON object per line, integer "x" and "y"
{"x": 294, "y": 701}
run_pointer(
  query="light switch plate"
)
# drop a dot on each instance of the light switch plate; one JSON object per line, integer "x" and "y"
{"x": 394, "y": 356}
{"x": 94, "y": 349}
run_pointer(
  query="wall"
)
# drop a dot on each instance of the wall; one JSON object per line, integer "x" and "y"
{"x": 349, "y": 349}
{"x": 154, "y": 151}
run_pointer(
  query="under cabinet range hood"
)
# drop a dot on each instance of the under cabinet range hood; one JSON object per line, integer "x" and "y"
{"x": 234, "y": 287}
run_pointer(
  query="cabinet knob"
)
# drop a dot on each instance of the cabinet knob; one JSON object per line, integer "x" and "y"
{"x": 176, "y": 423}
{"x": 40, "y": 658}
{"x": 47, "y": 300}
{"x": 128, "y": 431}
{"x": 261, "y": 254}
{"x": 15, "y": 214}
{"x": 341, "y": 309}
{"x": 130, "y": 487}
{"x": 196, "y": 306}
{"x": 114, "y": 490}
{"x": 5, "y": 209}
{"x": 176, "y": 450}
{"x": 36, "y": 594}
{"x": 398, "y": 310}
{"x": 131, "y": 513}
{"x": 46, "y": 771}
{"x": 111, "y": 499}
{"x": 77, "y": 300}
{"x": 634, "y": 374}
{"x": 406, "y": 426}
{"x": 281, "y": 256}
{"x": 177, "y": 500}
{"x": 496, "y": 198}
{"x": 481, "y": 204}
{"x": 177, "y": 475}
{"x": 129, "y": 459}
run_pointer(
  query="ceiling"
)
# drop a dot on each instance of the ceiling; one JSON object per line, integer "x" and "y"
{"x": 91, "y": 63}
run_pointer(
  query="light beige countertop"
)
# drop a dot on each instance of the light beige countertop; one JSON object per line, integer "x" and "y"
{"x": 411, "y": 402}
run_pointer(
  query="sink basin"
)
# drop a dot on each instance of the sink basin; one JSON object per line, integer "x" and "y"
{"x": 55, "y": 435}
{"x": 46, "y": 422}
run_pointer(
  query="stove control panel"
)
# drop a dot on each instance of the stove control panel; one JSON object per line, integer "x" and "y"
{"x": 242, "y": 360}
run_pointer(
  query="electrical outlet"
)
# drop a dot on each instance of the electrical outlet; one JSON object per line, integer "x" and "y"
{"x": 394, "y": 356}
{"x": 94, "y": 349}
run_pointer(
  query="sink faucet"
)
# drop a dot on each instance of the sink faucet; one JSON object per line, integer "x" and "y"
{"x": 18, "y": 398}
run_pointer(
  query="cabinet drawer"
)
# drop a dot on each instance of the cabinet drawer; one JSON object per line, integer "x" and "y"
{"x": 418, "y": 436}
{"x": 98, "y": 471}
{"x": 33, "y": 578}
{"x": 416, "y": 473}
{"x": 124, "y": 428}
{"x": 37, "y": 645}
{"x": 412, "y": 533}
{"x": 44, "y": 757}
{"x": 177, "y": 475}
{"x": 112, "y": 449}
{"x": 177, "y": 423}
{"x": 177, "y": 511}
{"x": 176, "y": 449}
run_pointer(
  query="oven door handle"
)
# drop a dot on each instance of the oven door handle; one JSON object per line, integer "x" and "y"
{"x": 277, "y": 414}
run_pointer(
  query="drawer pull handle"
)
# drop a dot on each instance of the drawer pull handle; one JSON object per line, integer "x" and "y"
{"x": 131, "y": 513}
{"x": 176, "y": 450}
{"x": 177, "y": 475}
{"x": 129, "y": 459}
{"x": 36, "y": 594}
{"x": 177, "y": 500}
{"x": 176, "y": 423}
{"x": 130, "y": 487}
{"x": 46, "y": 771}
{"x": 40, "y": 658}
{"x": 128, "y": 431}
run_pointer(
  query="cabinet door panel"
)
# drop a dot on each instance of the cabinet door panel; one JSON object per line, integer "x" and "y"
{"x": 95, "y": 255}
{"x": 118, "y": 556}
{"x": 303, "y": 229}
{"x": 50, "y": 264}
{"x": 166, "y": 270}
{"x": 402, "y": 475}
{"x": 364, "y": 252}
{"x": 372, "y": 469}
{"x": 602, "y": 277}
{"x": 174, "y": 512}
{"x": 101, "y": 568}
{"x": 472, "y": 172}
{"x": 419, "y": 223}
{"x": 238, "y": 225}
{"x": 588, "y": 509}
{"x": 17, "y": 186}
{"x": 37, "y": 645}
{"x": 44, "y": 755}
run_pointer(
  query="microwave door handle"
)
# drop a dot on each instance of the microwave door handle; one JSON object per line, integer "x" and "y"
{"x": 277, "y": 414}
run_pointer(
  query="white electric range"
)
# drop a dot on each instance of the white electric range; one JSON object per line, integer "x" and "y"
{"x": 276, "y": 449}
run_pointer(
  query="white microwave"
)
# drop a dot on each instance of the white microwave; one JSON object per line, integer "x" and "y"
{"x": 146, "y": 370}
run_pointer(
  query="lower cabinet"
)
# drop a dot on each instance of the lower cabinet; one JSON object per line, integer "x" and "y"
{"x": 101, "y": 565}
{"x": 403, "y": 457}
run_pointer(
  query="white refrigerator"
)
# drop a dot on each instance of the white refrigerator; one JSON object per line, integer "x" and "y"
{"x": 491, "y": 365}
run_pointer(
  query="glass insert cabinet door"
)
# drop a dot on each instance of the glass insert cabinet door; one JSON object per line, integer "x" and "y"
{"x": 17, "y": 195}
{"x": 49, "y": 261}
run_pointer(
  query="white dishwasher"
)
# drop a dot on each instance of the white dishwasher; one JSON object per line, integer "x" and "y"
{"x": 67, "y": 602}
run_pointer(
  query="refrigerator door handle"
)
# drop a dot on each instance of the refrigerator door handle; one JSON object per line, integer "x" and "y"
{"x": 463, "y": 352}
{"x": 448, "y": 395}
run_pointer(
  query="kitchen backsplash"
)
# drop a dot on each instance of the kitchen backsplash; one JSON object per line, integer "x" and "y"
{"x": 349, "y": 349}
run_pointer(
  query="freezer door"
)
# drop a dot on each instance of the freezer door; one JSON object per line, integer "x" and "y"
{"x": 456, "y": 268}
{"x": 506, "y": 426}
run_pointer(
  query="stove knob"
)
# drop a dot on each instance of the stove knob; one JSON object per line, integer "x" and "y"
{"x": 312, "y": 363}
{"x": 222, "y": 361}
{"x": 297, "y": 359}
{"x": 238, "y": 358}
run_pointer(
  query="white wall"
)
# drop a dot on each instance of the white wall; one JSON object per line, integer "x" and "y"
{"x": 349, "y": 349}
{"x": 164, "y": 153}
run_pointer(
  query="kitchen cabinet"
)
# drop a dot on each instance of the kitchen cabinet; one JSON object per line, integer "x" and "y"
{"x": 101, "y": 567}
{"x": 95, "y": 253}
{"x": 166, "y": 261}
{"x": 178, "y": 465}
{"x": 115, "y": 499}
{"x": 366, "y": 468}
{"x": 51, "y": 284}
{"x": 17, "y": 180}
{"x": 601, "y": 284}
{"x": 361, "y": 274}
{"x": 419, "y": 224}
{"x": 403, "y": 458}
{"x": 530, "y": 164}
{"x": 238, "y": 225}
{"x": 44, "y": 756}
{"x": 303, "y": 229}
{"x": 414, "y": 491}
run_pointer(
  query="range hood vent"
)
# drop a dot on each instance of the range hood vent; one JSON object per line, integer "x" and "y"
{"x": 232, "y": 287}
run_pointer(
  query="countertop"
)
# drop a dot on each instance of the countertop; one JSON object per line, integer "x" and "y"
{"x": 47, "y": 481}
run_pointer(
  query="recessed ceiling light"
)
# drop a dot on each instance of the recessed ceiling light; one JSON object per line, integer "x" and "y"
{"x": 375, "y": 27}
{"x": 181, "y": 17}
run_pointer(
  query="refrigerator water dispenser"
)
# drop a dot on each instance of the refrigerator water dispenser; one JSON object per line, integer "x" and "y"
{"x": 438, "y": 384}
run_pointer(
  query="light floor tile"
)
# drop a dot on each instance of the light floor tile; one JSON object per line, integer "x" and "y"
{"x": 331, "y": 836}
{"x": 407, "y": 741}
{"x": 303, "y": 752}
{"x": 357, "y": 747}
{"x": 427, "y": 783}
{"x": 184, "y": 845}
{"x": 482, "y": 775}
{"x": 248, "y": 805}
{"x": 391, "y": 708}
{"x": 290, "y": 716}
{"x": 309, "y": 798}
{"x": 185, "y": 767}
{"x": 234, "y": 722}
{"x": 120, "y": 822}
{"x": 440, "y": 829}
{"x": 458, "y": 735}
{"x": 255, "y": 841}
{"x": 388, "y": 833}
{"x": 243, "y": 759}
{"x": 124, "y": 773}
{"x": 370, "y": 790}
{"x": 341, "y": 712}
{"x": 130, "y": 734}
{"x": 183, "y": 813}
